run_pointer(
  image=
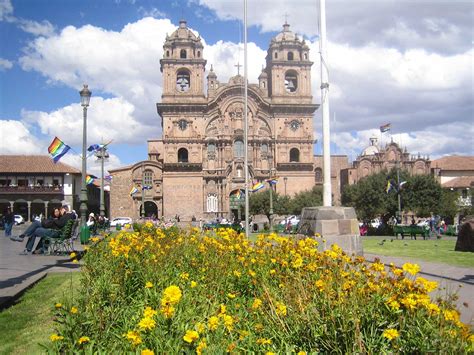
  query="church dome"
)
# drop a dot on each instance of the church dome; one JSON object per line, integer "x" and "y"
{"x": 263, "y": 75}
{"x": 212, "y": 74}
{"x": 285, "y": 35}
{"x": 372, "y": 149}
{"x": 182, "y": 33}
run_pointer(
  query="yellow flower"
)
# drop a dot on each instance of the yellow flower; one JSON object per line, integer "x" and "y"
{"x": 301, "y": 353}
{"x": 148, "y": 284}
{"x": 74, "y": 310}
{"x": 83, "y": 340}
{"x": 72, "y": 255}
{"x": 257, "y": 303}
{"x": 55, "y": 337}
{"x": 58, "y": 305}
{"x": 75, "y": 261}
{"x": 184, "y": 275}
{"x": 231, "y": 295}
{"x": 269, "y": 353}
{"x": 394, "y": 305}
{"x": 390, "y": 334}
{"x": 94, "y": 239}
{"x": 171, "y": 295}
{"x": 190, "y": 336}
{"x": 228, "y": 322}
{"x": 213, "y": 322}
{"x": 202, "y": 345}
{"x": 147, "y": 323}
{"x": 411, "y": 268}
{"x": 319, "y": 284}
{"x": 433, "y": 308}
{"x": 280, "y": 309}
{"x": 451, "y": 315}
{"x": 149, "y": 312}
{"x": 133, "y": 337}
{"x": 193, "y": 284}
{"x": 147, "y": 352}
{"x": 237, "y": 273}
{"x": 264, "y": 341}
{"x": 222, "y": 309}
{"x": 167, "y": 311}
{"x": 200, "y": 327}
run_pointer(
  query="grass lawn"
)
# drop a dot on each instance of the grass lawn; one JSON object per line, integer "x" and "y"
{"x": 30, "y": 321}
{"x": 435, "y": 250}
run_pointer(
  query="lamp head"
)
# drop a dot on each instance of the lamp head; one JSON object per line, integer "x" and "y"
{"x": 85, "y": 96}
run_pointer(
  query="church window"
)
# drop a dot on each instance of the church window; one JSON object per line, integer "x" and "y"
{"x": 276, "y": 55}
{"x": 294, "y": 155}
{"x": 212, "y": 203}
{"x": 167, "y": 53}
{"x": 238, "y": 149}
{"x": 182, "y": 155}
{"x": 318, "y": 175}
{"x": 290, "y": 55}
{"x": 306, "y": 56}
{"x": 199, "y": 54}
{"x": 211, "y": 148}
{"x": 291, "y": 81}
{"x": 183, "y": 81}
{"x": 263, "y": 84}
{"x": 240, "y": 172}
{"x": 148, "y": 178}
{"x": 182, "y": 54}
{"x": 182, "y": 124}
{"x": 264, "y": 149}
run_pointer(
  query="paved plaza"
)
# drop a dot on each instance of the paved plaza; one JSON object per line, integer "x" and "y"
{"x": 19, "y": 272}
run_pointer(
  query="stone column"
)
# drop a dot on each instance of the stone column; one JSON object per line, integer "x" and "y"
{"x": 11, "y": 205}
{"x": 46, "y": 209}
{"x": 29, "y": 210}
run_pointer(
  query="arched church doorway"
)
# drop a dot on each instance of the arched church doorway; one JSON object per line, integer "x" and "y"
{"x": 237, "y": 205}
{"x": 151, "y": 210}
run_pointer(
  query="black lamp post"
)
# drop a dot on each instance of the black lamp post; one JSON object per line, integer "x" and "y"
{"x": 85, "y": 99}
{"x": 102, "y": 155}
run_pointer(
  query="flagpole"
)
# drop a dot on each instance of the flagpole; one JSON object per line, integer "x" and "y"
{"x": 327, "y": 197}
{"x": 246, "y": 128}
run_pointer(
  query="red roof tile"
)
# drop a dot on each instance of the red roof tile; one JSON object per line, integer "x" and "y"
{"x": 33, "y": 164}
{"x": 454, "y": 162}
{"x": 460, "y": 182}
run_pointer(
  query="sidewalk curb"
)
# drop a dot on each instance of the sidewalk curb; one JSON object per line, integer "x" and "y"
{"x": 15, "y": 292}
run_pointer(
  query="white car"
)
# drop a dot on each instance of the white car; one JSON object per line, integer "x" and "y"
{"x": 19, "y": 219}
{"x": 121, "y": 221}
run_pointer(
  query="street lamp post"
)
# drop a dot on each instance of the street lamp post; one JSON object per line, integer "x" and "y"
{"x": 102, "y": 154}
{"x": 271, "y": 199}
{"x": 285, "y": 179}
{"x": 142, "y": 212}
{"x": 85, "y": 99}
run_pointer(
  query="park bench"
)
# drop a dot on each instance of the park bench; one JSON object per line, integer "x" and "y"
{"x": 62, "y": 241}
{"x": 411, "y": 230}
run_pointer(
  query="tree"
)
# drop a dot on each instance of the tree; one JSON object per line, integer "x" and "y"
{"x": 259, "y": 203}
{"x": 423, "y": 195}
{"x": 308, "y": 198}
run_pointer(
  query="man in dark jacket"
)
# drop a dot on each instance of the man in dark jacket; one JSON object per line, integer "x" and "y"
{"x": 37, "y": 230}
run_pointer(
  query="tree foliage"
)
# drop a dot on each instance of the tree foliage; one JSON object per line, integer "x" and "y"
{"x": 421, "y": 194}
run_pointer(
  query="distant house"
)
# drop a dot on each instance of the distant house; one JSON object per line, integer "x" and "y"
{"x": 34, "y": 185}
{"x": 456, "y": 173}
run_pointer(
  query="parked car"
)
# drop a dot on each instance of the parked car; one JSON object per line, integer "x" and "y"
{"x": 121, "y": 221}
{"x": 19, "y": 219}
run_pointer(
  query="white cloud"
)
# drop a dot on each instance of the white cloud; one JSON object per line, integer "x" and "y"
{"x": 107, "y": 119}
{"x": 152, "y": 12}
{"x": 43, "y": 28}
{"x": 5, "y": 64}
{"x": 17, "y": 139}
{"x": 6, "y": 9}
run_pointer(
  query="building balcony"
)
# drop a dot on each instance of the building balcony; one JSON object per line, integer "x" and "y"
{"x": 31, "y": 190}
{"x": 295, "y": 166}
{"x": 184, "y": 166}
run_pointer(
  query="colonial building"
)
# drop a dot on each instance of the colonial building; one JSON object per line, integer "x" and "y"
{"x": 34, "y": 184}
{"x": 197, "y": 167}
{"x": 375, "y": 159}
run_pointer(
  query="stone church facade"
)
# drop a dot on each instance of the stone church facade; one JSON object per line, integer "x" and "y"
{"x": 197, "y": 167}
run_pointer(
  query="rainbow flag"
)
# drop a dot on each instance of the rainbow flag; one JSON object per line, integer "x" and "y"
{"x": 385, "y": 128}
{"x": 133, "y": 191}
{"x": 57, "y": 149}
{"x": 257, "y": 186}
{"x": 272, "y": 181}
{"x": 89, "y": 180}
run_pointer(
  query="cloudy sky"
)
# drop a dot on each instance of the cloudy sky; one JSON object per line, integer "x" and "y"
{"x": 404, "y": 62}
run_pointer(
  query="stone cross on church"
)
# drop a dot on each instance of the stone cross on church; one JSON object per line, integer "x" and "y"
{"x": 238, "y": 65}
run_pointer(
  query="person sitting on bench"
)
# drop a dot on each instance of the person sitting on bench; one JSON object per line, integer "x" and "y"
{"x": 37, "y": 230}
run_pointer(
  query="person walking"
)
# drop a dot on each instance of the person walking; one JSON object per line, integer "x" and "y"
{"x": 8, "y": 219}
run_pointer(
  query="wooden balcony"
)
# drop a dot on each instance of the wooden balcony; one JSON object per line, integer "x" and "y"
{"x": 31, "y": 190}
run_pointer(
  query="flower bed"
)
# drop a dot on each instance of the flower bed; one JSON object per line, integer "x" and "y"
{"x": 168, "y": 291}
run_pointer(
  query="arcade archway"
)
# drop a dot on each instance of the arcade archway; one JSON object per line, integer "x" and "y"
{"x": 151, "y": 209}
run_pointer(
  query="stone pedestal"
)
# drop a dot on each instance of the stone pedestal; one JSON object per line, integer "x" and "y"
{"x": 336, "y": 225}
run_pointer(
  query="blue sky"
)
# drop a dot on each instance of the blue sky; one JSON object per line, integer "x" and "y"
{"x": 404, "y": 62}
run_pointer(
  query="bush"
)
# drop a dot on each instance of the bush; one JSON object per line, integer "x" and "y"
{"x": 170, "y": 291}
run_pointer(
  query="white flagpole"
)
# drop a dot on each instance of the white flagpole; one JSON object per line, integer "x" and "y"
{"x": 327, "y": 196}
{"x": 246, "y": 128}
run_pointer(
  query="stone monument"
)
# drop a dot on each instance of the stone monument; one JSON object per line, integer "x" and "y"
{"x": 465, "y": 241}
{"x": 336, "y": 225}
